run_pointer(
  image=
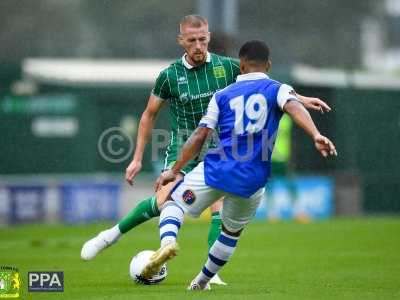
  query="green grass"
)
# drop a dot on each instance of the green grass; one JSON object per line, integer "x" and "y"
{"x": 338, "y": 259}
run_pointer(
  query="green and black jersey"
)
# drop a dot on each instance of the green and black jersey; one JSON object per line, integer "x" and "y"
{"x": 188, "y": 90}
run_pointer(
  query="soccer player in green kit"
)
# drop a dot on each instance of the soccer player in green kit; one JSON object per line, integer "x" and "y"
{"x": 187, "y": 85}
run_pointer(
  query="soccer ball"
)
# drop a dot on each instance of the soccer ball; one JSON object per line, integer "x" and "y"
{"x": 137, "y": 265}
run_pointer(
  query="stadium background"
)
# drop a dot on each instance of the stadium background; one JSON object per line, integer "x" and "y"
{"x": 71, "y": 70}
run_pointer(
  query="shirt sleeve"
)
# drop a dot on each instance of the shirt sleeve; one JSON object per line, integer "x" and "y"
{"x": 235, "y": 62}
{"x": 210, "y": 119}
{"x": 285, "y": 93}
{"x": 235, "y": 67}
{"x": 161, "y": 88}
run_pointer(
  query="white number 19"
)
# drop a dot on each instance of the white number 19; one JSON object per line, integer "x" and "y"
{"x": 258, "y": 116}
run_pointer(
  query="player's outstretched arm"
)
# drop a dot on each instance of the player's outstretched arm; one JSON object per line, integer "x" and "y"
{"x": 303, "y": 119}
{"x": 314, "y": 103}
{"x": 190, "y": 149}
{"x": 146, "y": 125}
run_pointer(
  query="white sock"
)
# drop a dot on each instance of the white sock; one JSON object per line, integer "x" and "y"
{"x": 171, "y": 218}
{"x": 218, "y": 256}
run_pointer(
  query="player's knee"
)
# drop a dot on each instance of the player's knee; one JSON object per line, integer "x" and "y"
{"x": 166, "y": 203}
{"x": 164, "y": 194}
{"x": 216, "y": 207}
{"x": 231, "y": 232}
{"x": 161, "y": 200}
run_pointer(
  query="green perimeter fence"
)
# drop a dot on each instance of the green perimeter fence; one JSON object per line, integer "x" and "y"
{"x": 365, "y": 125}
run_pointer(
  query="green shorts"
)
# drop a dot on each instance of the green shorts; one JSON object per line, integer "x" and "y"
{"x": 173, "y": 151}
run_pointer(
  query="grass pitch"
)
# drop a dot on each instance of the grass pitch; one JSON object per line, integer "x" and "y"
{"x": 337, "y": 259}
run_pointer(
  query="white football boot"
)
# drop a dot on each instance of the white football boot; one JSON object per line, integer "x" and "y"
{"x": 217, "y": 280}
{"x": 160, "y": 257}
{"x": 195, "y": 286}
{"x": 97, "y": 244}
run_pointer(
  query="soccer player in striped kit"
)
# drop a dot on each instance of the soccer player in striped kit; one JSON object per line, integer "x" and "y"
{"x": 247, "y": 114}
{"x": 187, "y": 86}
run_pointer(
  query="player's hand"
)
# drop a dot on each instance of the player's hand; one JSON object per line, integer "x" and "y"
{"x": 314, "y": 104}
{"x": 164, "y": 178}
{"x": 324, "y": 146}
{"x": 131, "y": 171}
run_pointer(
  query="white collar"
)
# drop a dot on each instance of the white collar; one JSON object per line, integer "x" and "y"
{"x": 251, "y": 76}
{"x": 189, "y": 66}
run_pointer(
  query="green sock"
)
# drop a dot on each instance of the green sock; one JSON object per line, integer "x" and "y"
{"x": 215, "y": 228}
{"x": 145, "y": 210}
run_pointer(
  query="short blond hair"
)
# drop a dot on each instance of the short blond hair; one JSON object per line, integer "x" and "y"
{"x": 193, "y": 21}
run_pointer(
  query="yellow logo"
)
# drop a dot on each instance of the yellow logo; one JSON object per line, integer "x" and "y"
{"x": 10, "y": 282}
{"x": 219, "y": 72}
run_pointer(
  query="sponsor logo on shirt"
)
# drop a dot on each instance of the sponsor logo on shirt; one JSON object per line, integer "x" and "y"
{"x": 182, "y": 80}
{"x": 185, "y": 97}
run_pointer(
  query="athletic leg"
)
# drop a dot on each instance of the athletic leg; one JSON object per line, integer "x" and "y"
{"x": 215, "y": 227}
{"x": 190, "y": 196}
{"x": 214, "y": 232}
{"x": 146, "y": 209}
{"x": 143, "y": 211}
{"x": 236, "y": 213}
{"x": 218, "y": 256}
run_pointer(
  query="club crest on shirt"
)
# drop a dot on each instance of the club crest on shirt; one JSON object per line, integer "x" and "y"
{"x": 188, "y": 197}
{"x": 219, "y": 72}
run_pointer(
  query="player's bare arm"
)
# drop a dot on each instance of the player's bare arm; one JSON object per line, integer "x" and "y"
{"x": 190, "y": 149}
{"x": 146, "y": 125}
{"x": 303, "y": 119}
{"x": 314, "y": 103}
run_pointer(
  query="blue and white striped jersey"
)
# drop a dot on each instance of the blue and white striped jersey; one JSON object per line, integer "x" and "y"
{"x": 247, "y": 113}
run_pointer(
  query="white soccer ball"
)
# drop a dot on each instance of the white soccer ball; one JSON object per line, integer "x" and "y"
{"x": 137, "y": 265}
